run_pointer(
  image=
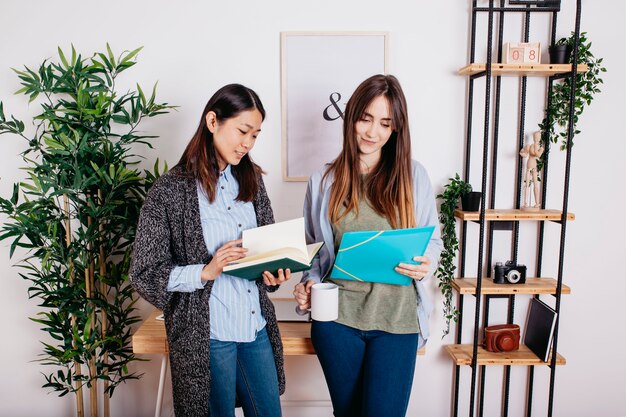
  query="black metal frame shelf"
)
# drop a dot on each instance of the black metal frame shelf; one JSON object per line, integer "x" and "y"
{"x": 489, "y": 219}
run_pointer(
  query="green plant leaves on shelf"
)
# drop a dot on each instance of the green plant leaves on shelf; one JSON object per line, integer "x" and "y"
{"x": 556, "y": 119}
{"x": 452, "y": 192}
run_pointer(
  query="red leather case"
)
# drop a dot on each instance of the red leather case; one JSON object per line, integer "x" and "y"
{"x": 502, "y": 338}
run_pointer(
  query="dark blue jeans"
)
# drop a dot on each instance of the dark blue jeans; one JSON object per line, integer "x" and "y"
{"x": 248, "y": 371}
{"x": 369, "y": 373}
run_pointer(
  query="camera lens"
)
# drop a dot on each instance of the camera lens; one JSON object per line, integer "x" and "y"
{"x": 513, "y": 276}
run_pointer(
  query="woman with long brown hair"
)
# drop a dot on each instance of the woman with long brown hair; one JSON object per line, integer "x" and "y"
{"x": 368, "y": 354}
{"x": 222, "y": 334}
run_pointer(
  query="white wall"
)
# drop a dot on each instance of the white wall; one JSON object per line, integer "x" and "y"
{"x": 194, "y": 47}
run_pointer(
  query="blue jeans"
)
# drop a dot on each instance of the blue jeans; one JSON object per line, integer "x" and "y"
{"x": 369, "y": 373}
{"x": 247, "y": 371}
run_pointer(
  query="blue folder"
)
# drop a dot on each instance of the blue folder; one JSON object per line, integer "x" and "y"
{"x": 371, "y": 256}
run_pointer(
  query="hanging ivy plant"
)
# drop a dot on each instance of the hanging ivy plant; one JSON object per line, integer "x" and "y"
{"x": 75, "y": 215}
{"x": 554, "y": 124}
{"x": 449, "y": 198}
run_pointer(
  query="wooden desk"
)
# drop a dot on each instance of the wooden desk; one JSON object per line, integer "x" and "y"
{"x": 150, "y": 338}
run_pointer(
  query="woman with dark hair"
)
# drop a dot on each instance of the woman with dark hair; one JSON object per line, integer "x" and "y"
{"x": 368, "y": 354}
{"x": 223, "y": 339}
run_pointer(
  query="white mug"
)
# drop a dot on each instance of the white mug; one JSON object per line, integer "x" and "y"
{"x": 324, "y": 302}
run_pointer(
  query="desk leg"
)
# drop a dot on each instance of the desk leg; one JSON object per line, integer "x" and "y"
{"x": 159, "y": 401}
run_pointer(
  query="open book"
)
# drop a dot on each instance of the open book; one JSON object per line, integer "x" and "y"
{"x": 272, "y": 247}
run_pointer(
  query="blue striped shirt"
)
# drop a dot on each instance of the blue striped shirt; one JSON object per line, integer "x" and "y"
{"x": 234, "y": 302}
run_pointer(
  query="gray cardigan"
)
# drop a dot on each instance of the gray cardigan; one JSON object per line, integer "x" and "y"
{"x": 169, "y": 234}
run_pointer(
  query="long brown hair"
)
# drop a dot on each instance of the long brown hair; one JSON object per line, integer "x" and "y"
{"x": 389, "y": 187}
{"x": 200, "y": 156}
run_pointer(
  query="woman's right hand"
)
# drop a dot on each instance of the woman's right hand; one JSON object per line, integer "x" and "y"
{"x": 302, "y": 294}
{"x": 229, "y": 252}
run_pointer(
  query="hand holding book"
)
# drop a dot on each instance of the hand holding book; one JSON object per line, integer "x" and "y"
{"x": 274, "y": 247}
{"x": 227, "y": 253}
{"x": 281, "y": 276}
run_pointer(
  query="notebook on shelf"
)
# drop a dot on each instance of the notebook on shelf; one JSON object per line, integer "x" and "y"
{"x": 539, "y": 328}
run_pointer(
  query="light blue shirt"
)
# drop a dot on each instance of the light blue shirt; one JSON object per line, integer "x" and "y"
{"x": 234, "y": 302}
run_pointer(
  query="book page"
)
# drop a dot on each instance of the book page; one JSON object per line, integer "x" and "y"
{"x": 272, "y": 255}
{"x": 280, "y": 235}
{"x": 312, "y": 249}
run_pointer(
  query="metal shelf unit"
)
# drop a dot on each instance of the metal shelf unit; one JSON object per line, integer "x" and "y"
{"x": 491, "y": 219}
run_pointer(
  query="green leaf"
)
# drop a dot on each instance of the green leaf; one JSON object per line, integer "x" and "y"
{"x": 142, "y": 96}
{"x": 73, "y": 55}
{"x": 130, "y": 55}
{"x": 63, "y": 60}
{"x": 111, "y": 56}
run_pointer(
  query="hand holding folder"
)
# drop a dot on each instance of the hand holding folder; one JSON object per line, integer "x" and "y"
{"x": 371, "y": 256}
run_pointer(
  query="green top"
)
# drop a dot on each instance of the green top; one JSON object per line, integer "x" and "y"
{"x": 373, "y": 306}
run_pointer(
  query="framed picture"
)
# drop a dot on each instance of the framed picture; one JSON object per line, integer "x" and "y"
{"x": 319, "y": 72}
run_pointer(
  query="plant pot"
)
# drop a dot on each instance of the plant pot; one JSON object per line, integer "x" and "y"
{"x": 560, "y": 54}
{"x": 471, "y": 201}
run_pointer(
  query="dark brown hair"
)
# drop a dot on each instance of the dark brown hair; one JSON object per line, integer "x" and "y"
{"x": 389, "y": 187}
{"x": 200, "y": 156}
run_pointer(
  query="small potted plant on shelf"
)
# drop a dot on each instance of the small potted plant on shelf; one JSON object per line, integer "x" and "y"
{"x": 560, "y": 52}
{"x": 453, "y": 191}
{"x": 470, "y": 200}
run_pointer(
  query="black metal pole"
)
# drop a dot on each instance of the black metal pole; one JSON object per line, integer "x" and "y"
{"x": 482, "y": 208}
{"x": 568, "y": 164}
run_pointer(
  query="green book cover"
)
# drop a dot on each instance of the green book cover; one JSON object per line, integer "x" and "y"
{"x": 254, "y": 272}
{"x": 252, "y": 268}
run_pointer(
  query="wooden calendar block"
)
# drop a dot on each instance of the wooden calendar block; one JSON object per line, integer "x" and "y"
{"x": 522, "y": 53}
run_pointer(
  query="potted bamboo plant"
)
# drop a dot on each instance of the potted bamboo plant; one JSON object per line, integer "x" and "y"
{"x": 75, "y": 215}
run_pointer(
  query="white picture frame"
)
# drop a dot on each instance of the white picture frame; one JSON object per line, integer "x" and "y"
{"x": 319, "y": 72}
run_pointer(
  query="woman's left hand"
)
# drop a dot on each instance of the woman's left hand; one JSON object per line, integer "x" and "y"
{"x": 416, "y": 272}
{"x": 271, "y": 280}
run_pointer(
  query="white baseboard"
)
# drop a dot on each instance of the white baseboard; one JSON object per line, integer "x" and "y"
{"x": 306, "y": 403}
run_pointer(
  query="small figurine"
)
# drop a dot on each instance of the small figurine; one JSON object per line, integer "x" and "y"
{"x": 532, "y": 151}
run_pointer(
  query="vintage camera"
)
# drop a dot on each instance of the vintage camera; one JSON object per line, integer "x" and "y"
{"x": 509, "y": 273}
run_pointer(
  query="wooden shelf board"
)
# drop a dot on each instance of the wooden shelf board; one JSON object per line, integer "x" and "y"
{"x": 542, "y": 70}
{"x": 512, "y": 215}
{"x": 532, "y": 286}
{"x": 462, "y": 355}
{"x": 296, "y": 336}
